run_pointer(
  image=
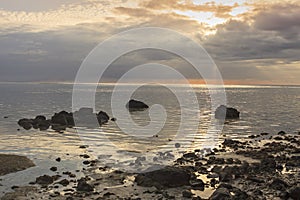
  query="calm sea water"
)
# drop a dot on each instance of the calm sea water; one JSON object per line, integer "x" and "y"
{"x": 263, "y": 109}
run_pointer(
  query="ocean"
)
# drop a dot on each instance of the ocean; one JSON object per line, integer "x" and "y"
{"x": 263, "y": 109}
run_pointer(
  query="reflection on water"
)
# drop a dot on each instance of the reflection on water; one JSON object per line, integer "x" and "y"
{"x": 263, "y": 109}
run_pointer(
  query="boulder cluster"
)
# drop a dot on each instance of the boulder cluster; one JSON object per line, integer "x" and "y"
{"x": 62, "y": 120}
{"x": 84, "y": 117}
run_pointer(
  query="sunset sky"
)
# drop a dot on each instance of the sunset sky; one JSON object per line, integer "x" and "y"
{"x": 251, "y": 41}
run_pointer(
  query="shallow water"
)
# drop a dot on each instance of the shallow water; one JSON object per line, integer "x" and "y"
{"x": 263, "y": 109}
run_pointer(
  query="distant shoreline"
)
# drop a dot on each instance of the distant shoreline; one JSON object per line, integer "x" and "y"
{"x": 154, "y": 84}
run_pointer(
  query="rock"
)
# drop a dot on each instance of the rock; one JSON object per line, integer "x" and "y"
{"x": 294, "y": 193}
{"x": 54, "y": 169}
{"x": 58, "y": 159}
{"x": 167, "y": 177}
{"x": 223, "y": 112}
{"x": 281, "y": 133}
{"x": 113, "y": 119}
{"x": 221, "y": 194}
{"x": 13, "y": 163}
{"x": 25, "y": 123}
{"x": 187, "y": 194}
{"x": 268, "y": 164}
{"x": 102, "y": 117}
{"x": 64, "y": 182}
{"x": 63, "y": 118}
{"x": 197, "y": 184}
{"x": 278, "y": 184}
{"x": 86, "y": 118}
{"x": 239, "y": 194}
{"x": 58, "y": 127}
{"x": 44, "y": 125}
{"x": 45, "y": 180}
{"x": 86, "y": 162}
{"x": 83, "y": 186}
{"x": 40, "y": 118}
{"x": 134, "y": 105}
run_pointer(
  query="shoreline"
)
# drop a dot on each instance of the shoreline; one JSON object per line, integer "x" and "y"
{"x": 263, "y": 167}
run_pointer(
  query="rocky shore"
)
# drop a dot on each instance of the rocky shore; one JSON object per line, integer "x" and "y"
{"x": 264, "y": 166}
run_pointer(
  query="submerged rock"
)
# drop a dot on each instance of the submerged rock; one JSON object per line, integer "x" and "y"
{"x": 167, "y": 177}
{"x": 224, "y": 112}
{"x": 134, "y": 105}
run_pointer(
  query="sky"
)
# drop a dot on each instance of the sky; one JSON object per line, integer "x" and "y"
{"x": 251, "y": 41}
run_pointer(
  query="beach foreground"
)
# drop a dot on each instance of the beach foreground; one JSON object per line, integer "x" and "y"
{"x": 265, "y": 166}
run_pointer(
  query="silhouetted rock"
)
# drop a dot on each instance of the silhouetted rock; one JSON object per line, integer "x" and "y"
{"x": 223, "y": 112}
{"x": 102, "y": 117}
{"x": 63, "y": 118}
{"x": 167, "y": 177}
{"x": 25, "y": 123}
{"x": 134, "y": 105}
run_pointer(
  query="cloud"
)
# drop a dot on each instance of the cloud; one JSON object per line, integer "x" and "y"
{"x": 219, "y": 9}
{"x": 51, "y": 44}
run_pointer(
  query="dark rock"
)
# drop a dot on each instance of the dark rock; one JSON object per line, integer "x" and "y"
{"x": 214, "y": 160}
{"x": 278, "y": 184}
{"x": 221, "y": 194}
{"x": 45, "y": 180}
{"x": 281, "y": 133}
{"x": 58, "y": 159}
{"x": 102, "y": 117}
{"x": 64, "y": 182}
{"x": 54, "y": 169}
{"x": 268, "y": 164}
{"x": 43, "y": 125}
{"x": 197, "y": 184}
{"x": 63, "y": 118}
{"x": 40, "y": 118}
{"x": 85, "y": 156}
{"x": 134, "y": 105}
{"x": 294, "y": 193}
{"x": 83, "y": 186}
{"x": 58, "y": 127}
{"x": 223, "y": 112}
{"x": 25, "y": 123}
{"x": 167, "y": 177}
{"x": 239, "y": 194}
{"x": 233, "y": 143}
{"x": 113, "y": 119}
{"x": 187, "y": 194}
{"x": 86, "y": 162}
